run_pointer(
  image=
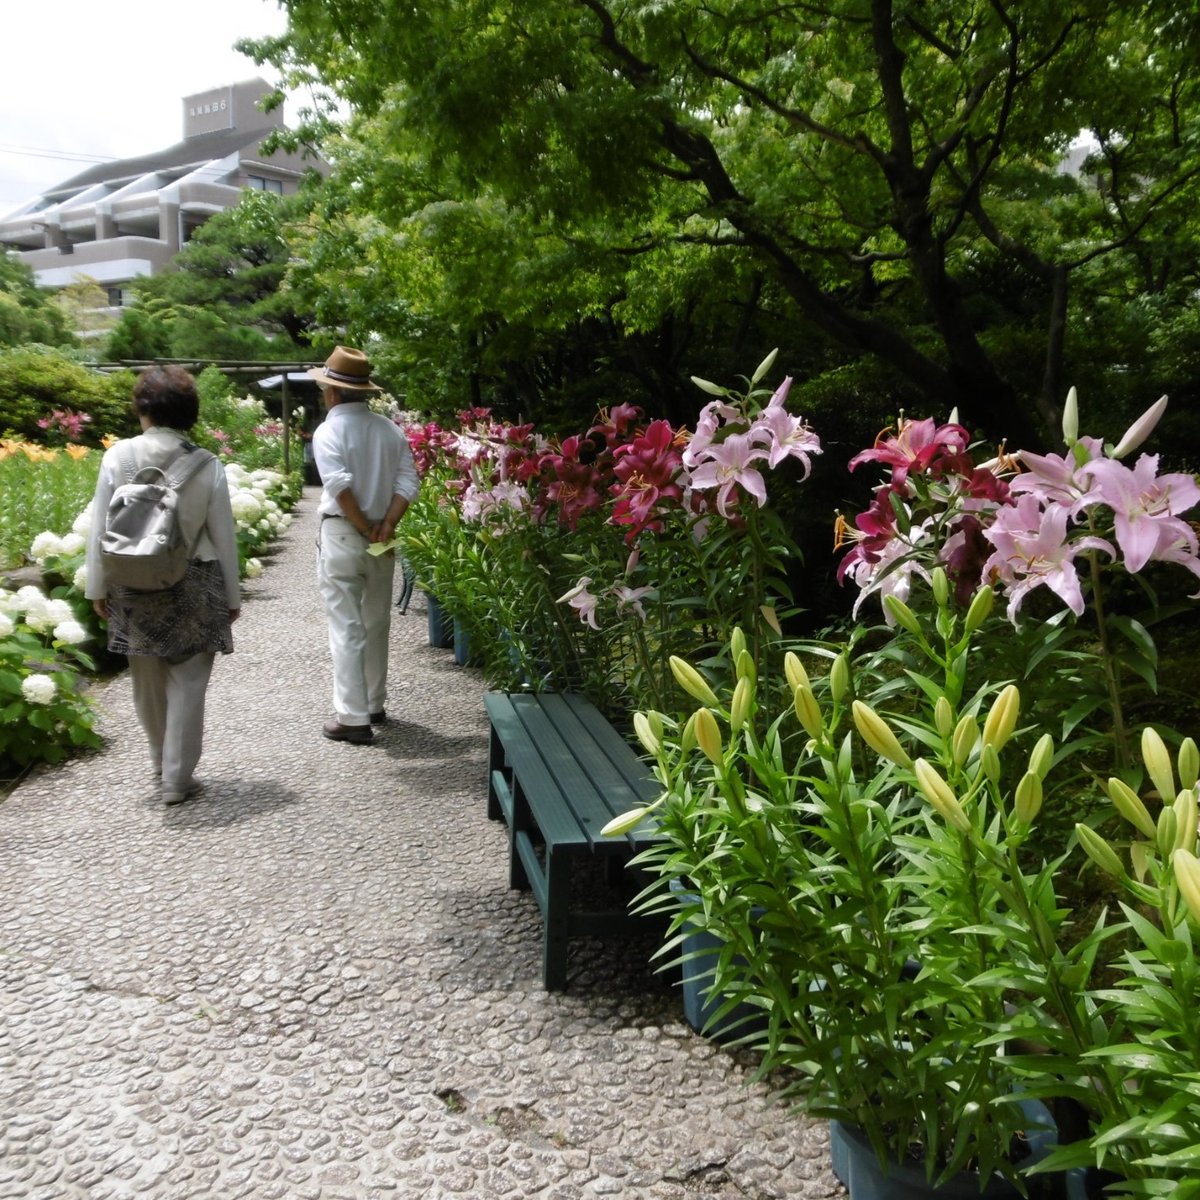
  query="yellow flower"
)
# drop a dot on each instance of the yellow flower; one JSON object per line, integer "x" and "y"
{"x": 76, "y": 451}
{"x": 109, "y": 439}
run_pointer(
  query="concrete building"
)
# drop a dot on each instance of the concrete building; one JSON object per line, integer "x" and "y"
{"x": 118, "y": 220}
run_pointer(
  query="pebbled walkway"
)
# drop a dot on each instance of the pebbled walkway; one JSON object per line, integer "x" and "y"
{"x": 312, "y": 982}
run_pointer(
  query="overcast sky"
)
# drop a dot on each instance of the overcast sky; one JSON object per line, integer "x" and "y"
{"x": 91, "y": 81}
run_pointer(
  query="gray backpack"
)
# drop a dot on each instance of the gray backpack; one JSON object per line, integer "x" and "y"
{"x": 141, "y": 546}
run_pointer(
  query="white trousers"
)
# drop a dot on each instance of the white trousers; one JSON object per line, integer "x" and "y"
{"x": 356, "y": 588}
{"x": 169, "y": 700}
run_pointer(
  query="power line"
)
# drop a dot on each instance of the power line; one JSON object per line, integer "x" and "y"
{"x": 64, "y": 155}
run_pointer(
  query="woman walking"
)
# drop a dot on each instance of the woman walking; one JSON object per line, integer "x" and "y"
{"x": 172, "y": 636}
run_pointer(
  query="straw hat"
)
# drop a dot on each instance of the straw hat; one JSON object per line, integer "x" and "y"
{"x": 346, "y": 368}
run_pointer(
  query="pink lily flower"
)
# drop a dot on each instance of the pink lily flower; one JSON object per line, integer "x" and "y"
{"x": 628, "y": 597}
{"x": 727, "y": 466}
{"x": 1067, "y": 479}
{"x": 784, "y": 435}
{"x": 712, "y": 417}
{"x": 1146, "y": 508}
{"x": 1031, "y": 549}
{"x": 582, "y": 601}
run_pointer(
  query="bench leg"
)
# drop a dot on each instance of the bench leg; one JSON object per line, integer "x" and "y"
{"x": 558, "y": 900}
{"x": 522, "y": 822}
{"x": 495, "y": 763}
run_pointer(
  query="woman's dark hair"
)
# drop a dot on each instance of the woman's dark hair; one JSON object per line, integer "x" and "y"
{"x": 167, "y": 395}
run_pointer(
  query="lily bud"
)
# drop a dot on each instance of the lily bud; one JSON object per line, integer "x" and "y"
{"x": 1188, "y": 763}
{"x": 708, "y": 736}
{"x": 692, "y": 682}
{"x": 764, "y": 366}
{"x": 877, "y": 733}
{"x": 981, "y": 607}
{"x": 901, "y": 614}
{"x": 1129, "y": 804}
{"x": 1099, "y": 851}
{"x": 808, "y": 710}
{"x": 1158, "y": 764}
{"x": 711, "y": 388}
{"x": 1042, "y": 756}
{"x": 1168, "y": 827}
{"x": 1139, "y": 859}
{"x": 1187, "y": 876}
{"x": 739, "y": 709}
{"x": 737, "y": 643}
{"x": 1141, "y": 429}
{"x": 966, "y": 734}
{"x": 989, "y": 760}
{"x": 839, "y": 678}
{"x": 943, "y": 717}
{"x": 1186, "y": 815}
{"x": 938, "y": 792}
{"x": 1002, "y": 720}
{"x": 1029, "y": 797}
{"x": 687, "y": 738}
{"x": 745, "y": 666}
{"x": 940, "y": 585}
{"x": 1070, "y": 419}
{"x": 624, "y": 823}
{"x": 644, "y": 728}
{"x": 793, "y": 668}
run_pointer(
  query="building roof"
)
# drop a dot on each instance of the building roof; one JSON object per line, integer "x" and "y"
{"x": 190, "y": 152}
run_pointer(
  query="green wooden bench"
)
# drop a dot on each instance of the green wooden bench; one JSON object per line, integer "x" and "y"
{"x": 558, "y": 772}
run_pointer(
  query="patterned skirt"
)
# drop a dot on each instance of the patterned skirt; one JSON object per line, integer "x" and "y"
{"x": 190, "y": 618}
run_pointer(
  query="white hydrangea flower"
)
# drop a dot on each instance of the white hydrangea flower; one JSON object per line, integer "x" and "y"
{"x": 59, "y": 611}
{"x": 70, "y": 633}
{"x": 72, "y": 543}
{"x": 79, "y": 580}
{"x": 259, "y": 495}
{"x": 264, "y": 525}
{"x": 83, "y": 522}
{"x": 37, "y": 617}
{"x": 9, "y": 602}
{"x": 7, "y": 625}
{"x": 254, "y": 568}
{"x": 246, "y": 509}
{"x": 38, "y": 689}
{"x": 28, "y": 595}
{"x": 235, "y": 473}
{"x": 44, "y": 545}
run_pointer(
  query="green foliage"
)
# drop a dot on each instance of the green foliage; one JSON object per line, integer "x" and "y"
{"x": 28, "y": 313}
{"x": 679, "y": 183}
{"x": 44, "y": 712}
{"x": 47, "y": 491}
{"x": 223, "y": 297}
{"x": 36, "y": 380}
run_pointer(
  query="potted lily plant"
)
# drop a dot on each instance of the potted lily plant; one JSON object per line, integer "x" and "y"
{"x": 892, "y": 862}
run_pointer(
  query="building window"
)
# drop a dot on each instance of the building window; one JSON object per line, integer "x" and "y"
{"x": 265, "y": 185}
{"x": 116, "y": 297}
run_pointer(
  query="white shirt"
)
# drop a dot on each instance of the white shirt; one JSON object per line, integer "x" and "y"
{"x": 361, "y": 450}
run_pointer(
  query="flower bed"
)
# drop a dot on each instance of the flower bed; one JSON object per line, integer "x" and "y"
{"x": 45, "y": 712}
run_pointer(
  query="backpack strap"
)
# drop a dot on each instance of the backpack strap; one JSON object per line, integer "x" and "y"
{"x": 185, "y": 464}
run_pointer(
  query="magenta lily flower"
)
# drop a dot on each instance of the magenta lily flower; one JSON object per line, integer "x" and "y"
{"x": 919, "y": 448}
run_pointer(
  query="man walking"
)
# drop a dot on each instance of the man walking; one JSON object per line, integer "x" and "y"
{"x": 369, "y": 481}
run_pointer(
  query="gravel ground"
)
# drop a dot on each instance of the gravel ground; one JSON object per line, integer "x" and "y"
{"x": 312, "y": 982}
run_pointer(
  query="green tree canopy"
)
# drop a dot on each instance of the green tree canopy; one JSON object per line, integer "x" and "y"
{"x": 28, "y": 313}
{"x": 223, "y": 296}
{"x": 883, "y": 178}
